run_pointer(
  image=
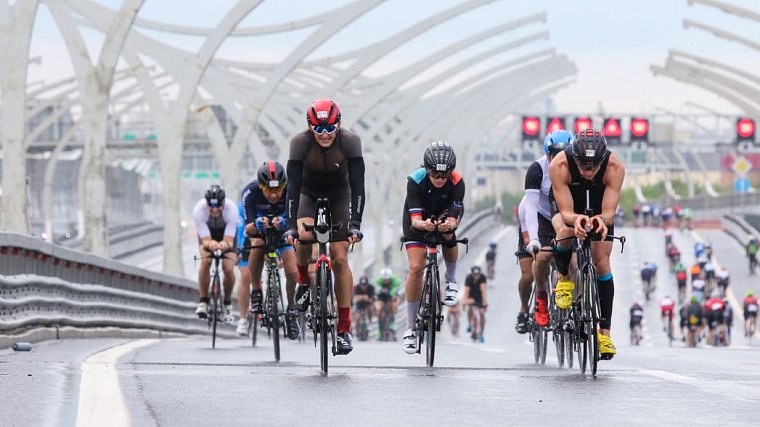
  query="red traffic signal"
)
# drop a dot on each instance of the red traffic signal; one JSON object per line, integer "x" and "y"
{"x": 745, "y": 130}
{"x": 555, "y": 123}
{"x": 531, "y": 126}
{"x": 581, "y": 124}
{"x": 612, "y": 128}
{"x": 639, "y": 129}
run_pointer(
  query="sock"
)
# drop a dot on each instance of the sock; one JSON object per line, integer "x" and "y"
{"x": 606, "y": 296}
{"x": 228, "y": 302}
{"x": 411, "y": 313}
{"x": 303, "y": 274}
{"x": 562, "y": 259}
{"x": 344, "y": 319}
{"x": 205, "y": 299}
{"x": 451, "y": 271}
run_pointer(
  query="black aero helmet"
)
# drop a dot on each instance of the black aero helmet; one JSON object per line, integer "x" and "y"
{"x": 589, "y": 148}
{"x": 439, "y": 156}
{"x": 272, "y": 174}
{"x": 215, "y": 196}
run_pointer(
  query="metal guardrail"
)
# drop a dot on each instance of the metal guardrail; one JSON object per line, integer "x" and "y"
{"x": 738, "y": 228}
{"x": 127, "y": 241}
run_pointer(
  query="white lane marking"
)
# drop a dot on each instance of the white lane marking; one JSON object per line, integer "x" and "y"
{"x": 100, "y": 399}
{"x": 683, "y": 379}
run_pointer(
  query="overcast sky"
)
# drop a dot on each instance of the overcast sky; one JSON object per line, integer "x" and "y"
{"x": 612, "y": 42}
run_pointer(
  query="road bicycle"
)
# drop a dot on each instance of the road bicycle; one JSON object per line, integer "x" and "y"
{"x": 430, "y": 315}
{"x": 215, "y": 311}
{"x": 272, "y": 311}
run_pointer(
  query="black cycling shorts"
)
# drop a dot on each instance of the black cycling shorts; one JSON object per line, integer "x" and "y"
{"x": 546, "y": 233}
{"x": 340, "y": 211}
{"x": 521, "y": 252}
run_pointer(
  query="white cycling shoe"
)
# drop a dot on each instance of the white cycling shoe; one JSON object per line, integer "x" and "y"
{"x": 228, "y": 318}
{"x": 410, "y": 341}
{"x": 242, "y": 327}
{"x": 202, "y": 310}
{"x": 452, "y": 289}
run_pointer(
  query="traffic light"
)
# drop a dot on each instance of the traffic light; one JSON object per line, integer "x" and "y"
{"x": 582, "y": 123}
{"x": 745, "y": 130}
{"x": 555, "y": 123}
{"x": 611, "y": 130}
{"x": 531, "y": 126}
{"x": 639, "y": 129}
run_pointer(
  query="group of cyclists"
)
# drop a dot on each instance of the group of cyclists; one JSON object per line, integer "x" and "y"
{"x": 577, "y": 176}
{"x": 325, "y": 161}
{"x": 650, "y": 214}
{"x": 707, "y": 314}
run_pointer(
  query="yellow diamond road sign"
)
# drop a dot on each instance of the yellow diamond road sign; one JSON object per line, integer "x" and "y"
{"x": 742, "y": 166}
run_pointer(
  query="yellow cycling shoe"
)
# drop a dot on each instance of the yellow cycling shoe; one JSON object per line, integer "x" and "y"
{"x": 563, "y": 293}
{"x": 606, "y": 347}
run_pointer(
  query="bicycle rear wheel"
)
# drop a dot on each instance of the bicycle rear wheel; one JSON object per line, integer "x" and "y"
{"x": 322, "y": 316}
{"x": 536, "y": 335}
{"x": 568, "y": 338}
{"x": 432, "y": 320}
{"x": 544, "y": 344}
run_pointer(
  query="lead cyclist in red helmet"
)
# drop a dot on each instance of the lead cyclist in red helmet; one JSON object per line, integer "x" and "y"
{"x": 587, "y": 164}
{"x": 326, "y": 162}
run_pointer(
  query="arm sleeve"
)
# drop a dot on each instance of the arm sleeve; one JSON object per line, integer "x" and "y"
{"x": 456, "y": 209}
{"x": 413, "y": 199}
{"x": 200, "y": 216}
{"x": 531, "y": 214}
{"x": 295, "y": 176}
{"x": 356, "y": 181}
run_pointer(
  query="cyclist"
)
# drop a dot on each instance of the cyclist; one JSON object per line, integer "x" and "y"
{"x": 699, "y": 249}
{"x": 216, "y": 219}
{"x": 696, "y": 271}
{"x": 326, "y": 161}
{"x": 714, "y": 313}
{"x": 648, "y": 275}
{"x": 637, "y": 315}
{"x": 724, "y": 279}
{"x": 538, "y": 217}
{"x": 698, "y": 288}
{"x": 681, "y": 277}
{"x": 752, "y": 246}
{"x": 708, "y": 251}
{"x": 387, "y": 297}
{"x": 475, "y": 297}
{"x": 694, "y": 320}
{"x": 525, "y": 260}
{"x": 491, "y": 259}
{"x": 668, "y": 237}
{"x": 646, "y": 213}
{"x": 666, "y": 214}
{"x": 667, "y": 309}
{"x": 244, "y": 287}
{"x": 674, "y": 256}
{"x": 687, "y": 218}
{"x": 363, "y": 297}
{"x": 709, "y": 269}
{"x": 264, "y": 197}
{"x": 750, "y": 313}
{"x": 728, "y": 321}
{"x": 636, "y": 215}
{"x": 587, "y": 165}
{"x": 435, "y": 190}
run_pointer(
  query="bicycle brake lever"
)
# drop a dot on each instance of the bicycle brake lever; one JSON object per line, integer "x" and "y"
{"x": 622, "y": 244}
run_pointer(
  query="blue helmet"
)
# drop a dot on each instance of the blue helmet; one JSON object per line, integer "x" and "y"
{"x": 556, "y": 141}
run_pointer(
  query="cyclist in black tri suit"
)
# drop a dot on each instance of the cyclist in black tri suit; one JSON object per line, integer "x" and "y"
{"x": 364, "y": 296}
{"x": 326, "y": 161}
{"x": 261, "y": 198}
{"x": 434, "y": 190}
{"x": 587, "y": 165}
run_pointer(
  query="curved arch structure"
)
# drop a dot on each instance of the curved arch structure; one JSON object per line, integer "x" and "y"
{"x": 265, "y": 101}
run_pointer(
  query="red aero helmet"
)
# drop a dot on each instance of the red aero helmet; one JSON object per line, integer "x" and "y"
{"x": 323, "y": 112}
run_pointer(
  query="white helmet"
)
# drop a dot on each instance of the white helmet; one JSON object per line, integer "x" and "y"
{"x": 386, "y": 273}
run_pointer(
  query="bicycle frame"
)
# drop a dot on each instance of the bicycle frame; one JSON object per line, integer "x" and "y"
{"x": 215, "y": 292}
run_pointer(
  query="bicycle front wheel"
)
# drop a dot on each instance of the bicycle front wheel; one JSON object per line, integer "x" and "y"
{"x": 274, "y": 321}
{"x": 322, "y": 283}
{"x": 595, "y": 316}
{"x": 215, "y": 306}
{"x": 432, "y": 319}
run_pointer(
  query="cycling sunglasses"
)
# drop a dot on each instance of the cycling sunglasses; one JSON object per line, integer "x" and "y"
{"x": 328, "y": 129}
{"x": 439, "y": 174}
{"x": 272, "y": 190}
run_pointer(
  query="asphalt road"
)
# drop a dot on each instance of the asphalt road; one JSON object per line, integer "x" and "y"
{"x": 184, "y": 382}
